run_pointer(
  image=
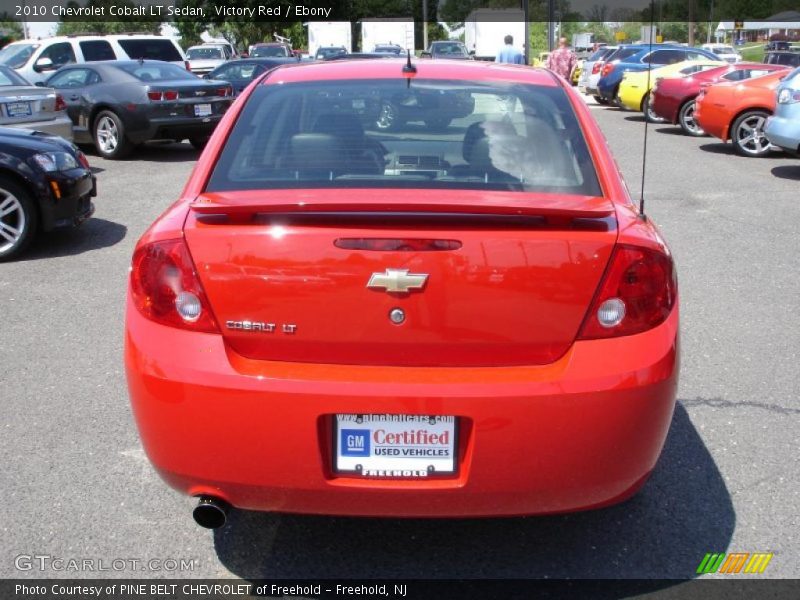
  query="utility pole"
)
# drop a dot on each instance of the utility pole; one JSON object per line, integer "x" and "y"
{"x": 527, "y": 46}
{"x": 424, "y": 24}
{"x": 551, "y": 17}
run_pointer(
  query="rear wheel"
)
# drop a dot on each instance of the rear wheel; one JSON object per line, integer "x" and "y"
{"x": 649, "y": 113}
{"x": 747, "y": 134}
{"x": 687, "y": 121}
{"x": 109, "y": 136}
{"x": 17, "y": 219}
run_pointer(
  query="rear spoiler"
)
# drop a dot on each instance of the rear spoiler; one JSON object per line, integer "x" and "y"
{"x": 489, "y": 204}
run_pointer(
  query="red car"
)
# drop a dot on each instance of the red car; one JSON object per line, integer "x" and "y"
{"x": 674, "y": 97}
{"x": 336, "y": 319}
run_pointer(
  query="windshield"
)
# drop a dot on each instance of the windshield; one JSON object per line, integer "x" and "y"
{"x": 204, "y": 53}
{"x": 385, "y": 133}
{"x": 269, "y": 51}
{"x": 450, "y": 49}
{"x": 326, "y": 52}
{"x": 16, "y": 55}
{"x": 156, "y": 71}
{"x": 723, "y": 50}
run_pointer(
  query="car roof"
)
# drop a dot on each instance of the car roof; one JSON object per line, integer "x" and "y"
{"x": 425, "y": 69}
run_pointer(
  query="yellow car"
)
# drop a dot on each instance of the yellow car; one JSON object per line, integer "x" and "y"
{"x": 541, "y": 60}
{"x": 634, "y": 90}
{"x": 576, "y": 72}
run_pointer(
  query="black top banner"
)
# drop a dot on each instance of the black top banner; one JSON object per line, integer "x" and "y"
{"x": 785, "y": 12}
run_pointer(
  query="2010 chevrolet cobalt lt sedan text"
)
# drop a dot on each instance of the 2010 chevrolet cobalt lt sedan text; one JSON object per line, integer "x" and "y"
{"x": 468, "y": 320}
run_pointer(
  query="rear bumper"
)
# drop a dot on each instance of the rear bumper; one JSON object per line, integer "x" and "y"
{"x": 61, "y": 126}
{"x": 712, "y": 120}
{"x": 580, "y": 433}
{"x": 666, "y": 106}
{"x": 630, "y": 97}
{"x": 784, "y": 132}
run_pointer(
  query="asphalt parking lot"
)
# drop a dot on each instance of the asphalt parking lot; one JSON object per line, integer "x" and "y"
{"x": 77, "y": 485}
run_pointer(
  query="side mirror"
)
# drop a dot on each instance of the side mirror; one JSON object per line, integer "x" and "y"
{"x": 40, "y": 84}
{"x": 206, "y": 76}
{"x": 44, "y": 64}
{"x": 472, "y": 52}
{"x": 425, "y": 54}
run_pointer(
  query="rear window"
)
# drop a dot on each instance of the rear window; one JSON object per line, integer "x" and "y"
{"x": 151, "y": 49}
{"x": 622, "y": 54}
{"x": 204, "y": 53}
{"x": 385, "y": 133}
{"x": 156, "y": 71}
{"x": 269, "y": 51}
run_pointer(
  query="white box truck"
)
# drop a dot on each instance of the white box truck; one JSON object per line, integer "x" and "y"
{"x": 329, "y": 33}
{"x": 485, "y": 30}
{"x": 376, "y": 32}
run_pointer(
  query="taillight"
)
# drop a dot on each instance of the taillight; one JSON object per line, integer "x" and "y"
{"x": 60, "y": 104}
{"x": 171, "y": 95}
{"x": 596, "y": 68}
{"x": 222, "y": 92}
{"x": 186, "y": 64}
{"x": 166, "y": 289}
{"x": 83, "y": 160}
{"x": 637, "y": 293}
{"x": 607, "y": 68}
{"x": 788, "y": 96}
{"x": 155, "y": 96}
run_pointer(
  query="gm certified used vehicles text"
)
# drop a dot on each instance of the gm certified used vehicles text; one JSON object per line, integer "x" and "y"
{"x": 45, "y": 184}
{"x": 333, "y": 319}
{"x": 117, "y": 105}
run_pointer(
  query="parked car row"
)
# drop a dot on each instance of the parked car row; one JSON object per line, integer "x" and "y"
{"x": 751, "y": 105}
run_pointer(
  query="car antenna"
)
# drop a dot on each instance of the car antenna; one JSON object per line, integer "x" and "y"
{"x": 408, "y": 68}
{"x": 642, "y": 214}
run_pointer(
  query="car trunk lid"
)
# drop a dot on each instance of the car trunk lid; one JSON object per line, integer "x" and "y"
{"x": 480, "y": 278}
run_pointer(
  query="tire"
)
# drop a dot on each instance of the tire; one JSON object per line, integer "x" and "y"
{"x": 747, "y": 134}
{"x": 388, "y": 118}
{"x": 600, "y": 100}
{"x": 651, "y": 116}
{"x": 18, "y": 219}
{"x": 439, "y": 123}
{"x": 199, "y": 142}
{"x": 108, "y": 133}
{"x": 686, "y": 119}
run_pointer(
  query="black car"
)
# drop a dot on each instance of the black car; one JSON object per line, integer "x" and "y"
{"x": 45, "y": 184}
{"x": 327, "y": 52}
{"x": 790, "y": 59}
{"x": 118, "y": 104}
{"x": 778, "y": 45}
{"x": 239, "y": 73}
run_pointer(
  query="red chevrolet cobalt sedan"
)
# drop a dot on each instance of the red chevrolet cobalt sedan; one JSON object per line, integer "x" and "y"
{"x": 460, "y": 314}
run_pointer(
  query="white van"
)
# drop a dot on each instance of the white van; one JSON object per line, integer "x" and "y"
{"x": 36, "y": 60}
{"x": 725, "y": 52}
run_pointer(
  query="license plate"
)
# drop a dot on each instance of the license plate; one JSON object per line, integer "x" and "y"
{"x": 202, "y": 110}
{"x": 18, "y": 109}
{"x": 404, "y": 446}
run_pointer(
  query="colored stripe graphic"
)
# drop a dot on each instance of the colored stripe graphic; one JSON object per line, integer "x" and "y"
{"x": 758, "y": 562}
{"x": 711, "y": 563}
{"x": 734, "y": 562}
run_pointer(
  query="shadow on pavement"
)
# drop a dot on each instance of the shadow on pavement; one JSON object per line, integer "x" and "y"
{"x": 94, "y": 234}
{"x": 683, "y": 512}
{"x": 787, "y": 172}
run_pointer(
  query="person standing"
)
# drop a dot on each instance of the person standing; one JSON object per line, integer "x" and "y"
{"x": 509, "y": 54}
{"x": 562, "y": 60}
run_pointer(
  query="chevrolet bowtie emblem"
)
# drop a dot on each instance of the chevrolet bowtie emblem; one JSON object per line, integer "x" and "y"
{"x": 397, "y": 280}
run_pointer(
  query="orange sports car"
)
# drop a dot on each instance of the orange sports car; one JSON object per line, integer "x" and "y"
{"x": 738, "y": 111}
